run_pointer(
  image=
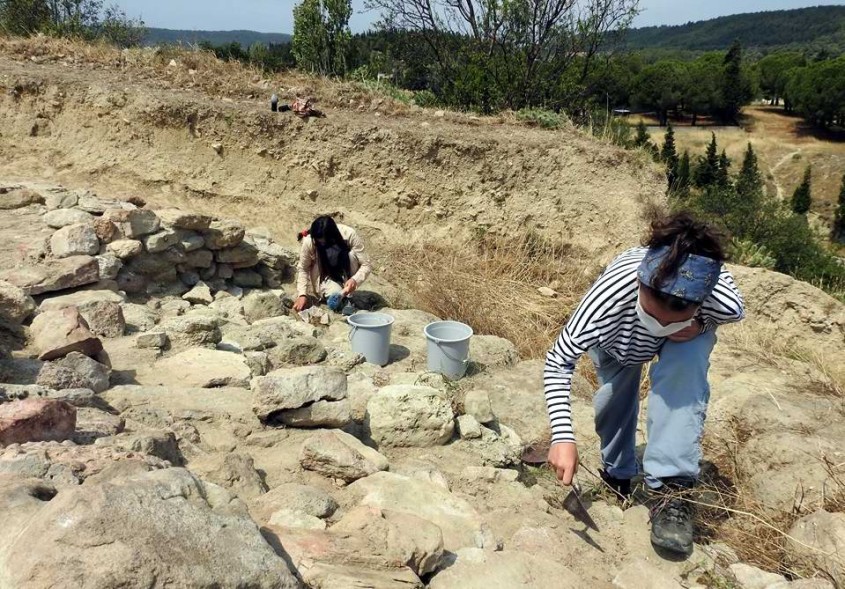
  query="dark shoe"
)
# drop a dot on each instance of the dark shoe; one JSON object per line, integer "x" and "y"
{"x": 621, "y": 487}
{"x": 672, "y": 520}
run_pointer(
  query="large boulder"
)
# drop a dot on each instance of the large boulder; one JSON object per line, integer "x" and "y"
{"x": 55, "y": 275}
{"x": 338, "y": 455}
{"x": 75, "y": 240}
{"x": 816, "y": 543}
{"x": 36, "y": 420}
{"x": 485, "y": 569}
{"x": 57, "y": 333}
{"x": 19, "y": 198}
{"x": 165, "y": 526}
{"x": 203, "y": 368}
{"x": 409, "y": 416}
{"x": 80, "y": 299}
{"x": 63, "y": 217}
{"x": 223, "y": 234}
{"x": 104, "y": 318}
{"x": 15, "y": 305}
{"x": 262, "y": 305}
{"x": 134, "y": 223}
{"x": 192, "y": 331}
{"x": 292, "y": 388}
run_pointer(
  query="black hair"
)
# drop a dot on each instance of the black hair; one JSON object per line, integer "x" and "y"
{"x": 684, "y": 235}
{"x": 325, "y": 233}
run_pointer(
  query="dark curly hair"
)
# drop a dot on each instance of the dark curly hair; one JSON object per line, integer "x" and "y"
{"x": 683, "y": 234}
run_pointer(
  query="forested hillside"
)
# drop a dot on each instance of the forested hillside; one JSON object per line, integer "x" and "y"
{"x": 821, "y": 28}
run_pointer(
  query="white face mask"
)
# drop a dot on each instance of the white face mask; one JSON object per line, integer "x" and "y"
{"x": 655, "y": 328}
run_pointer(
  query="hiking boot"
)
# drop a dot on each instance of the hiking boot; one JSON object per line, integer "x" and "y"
{"x": 621, "y": 487}
{"x": 672, "y": 519}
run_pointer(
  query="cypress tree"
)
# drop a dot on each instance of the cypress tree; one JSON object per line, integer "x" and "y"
{"x": 682, "y": 184}
{"x": 642, "y": 138}
{"x": 669, "y": 155}
{"x": 708, "y": 167}
{"x": 723, "y": 177}
{"x": 838, "y": 233}
{"x": 802, "y": 198}
{"x": 749, "y": 184}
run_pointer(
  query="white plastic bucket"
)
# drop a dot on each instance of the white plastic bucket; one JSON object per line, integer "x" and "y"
{"x": 448, "y": 348}
{"x": 369, "y": 334}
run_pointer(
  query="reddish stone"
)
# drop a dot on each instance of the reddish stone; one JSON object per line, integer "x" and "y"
{"x": 36, "y": 420}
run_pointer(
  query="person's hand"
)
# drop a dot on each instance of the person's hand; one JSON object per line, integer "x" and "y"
{"x": 563, "y": 458}
{"x": 300, "y": 304}
{"x": 350, "y": 287}
{"x": 687, "y": 333}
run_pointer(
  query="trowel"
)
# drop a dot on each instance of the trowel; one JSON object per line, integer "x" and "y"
{"x": 575, "y": 506}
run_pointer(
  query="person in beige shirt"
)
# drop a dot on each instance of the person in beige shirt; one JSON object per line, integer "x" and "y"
{"x": 332, "y": 260}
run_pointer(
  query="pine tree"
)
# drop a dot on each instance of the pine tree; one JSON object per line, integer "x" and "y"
{"x": 723, "y": 177}
{"x": 642, "y": 138}
{"x": 803, "y": 198}
{"x": 749, "y": 183}
{"x": 669, "y": 155}
{"x": 707, "y": 169}
{"x": 838, "y": 233}
{"x": 682, "y": 184}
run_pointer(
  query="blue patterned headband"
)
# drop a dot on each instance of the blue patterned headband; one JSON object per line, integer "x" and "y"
{"x": 695, "y": 280}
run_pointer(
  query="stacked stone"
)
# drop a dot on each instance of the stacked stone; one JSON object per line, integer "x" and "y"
{"x": 168, "y": 251}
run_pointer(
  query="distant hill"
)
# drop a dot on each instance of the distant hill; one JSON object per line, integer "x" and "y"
{"x": 245, "y": 38}
{"x": 821, "y": 27}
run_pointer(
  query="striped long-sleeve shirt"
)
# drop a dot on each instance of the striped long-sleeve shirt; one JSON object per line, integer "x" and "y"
{"x": 607, "y": 318}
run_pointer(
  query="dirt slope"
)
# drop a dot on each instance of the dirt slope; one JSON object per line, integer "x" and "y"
{"x": 413, "y": 174}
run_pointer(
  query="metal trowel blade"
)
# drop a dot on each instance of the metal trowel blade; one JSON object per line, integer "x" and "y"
{"x": 575, "y": 506}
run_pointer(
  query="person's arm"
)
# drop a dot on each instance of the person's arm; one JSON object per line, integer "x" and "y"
{"x": 303, "y": 267}
{"x": 356, "y": 247}
{"x": 724, "y": 305}
{"x": 557, "y": 384}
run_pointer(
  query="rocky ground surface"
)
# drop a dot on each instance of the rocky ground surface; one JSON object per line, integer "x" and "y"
{"x": 166, "y": 421}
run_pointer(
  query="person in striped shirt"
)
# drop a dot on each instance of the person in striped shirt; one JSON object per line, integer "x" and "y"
{"x": 665, "y": 299}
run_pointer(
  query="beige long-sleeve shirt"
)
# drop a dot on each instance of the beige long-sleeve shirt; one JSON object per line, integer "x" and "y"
{"x": 309, "y": 275}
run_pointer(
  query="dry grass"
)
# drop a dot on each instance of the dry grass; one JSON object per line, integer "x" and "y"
{"x": 491, "y": 283}
{"x": 770, "y": 347}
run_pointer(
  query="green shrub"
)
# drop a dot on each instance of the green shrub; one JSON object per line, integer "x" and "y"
{"x": 425, "y": 98}
{"x": 542, "y": 118}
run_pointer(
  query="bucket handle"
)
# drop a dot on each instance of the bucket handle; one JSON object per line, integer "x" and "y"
{"x": 445, "y": 353}
{"x": 352, "y": 330}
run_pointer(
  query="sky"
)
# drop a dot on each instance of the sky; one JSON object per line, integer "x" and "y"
{"x": 275, "y": 16}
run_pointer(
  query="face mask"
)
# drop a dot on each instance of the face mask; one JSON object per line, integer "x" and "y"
{"x": 655, "y": 328}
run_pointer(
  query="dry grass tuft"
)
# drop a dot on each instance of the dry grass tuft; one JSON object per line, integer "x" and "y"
{"x": 491, "y": 283}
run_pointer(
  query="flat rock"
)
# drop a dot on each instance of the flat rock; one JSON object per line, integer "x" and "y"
{"x": 92, "y": 424}
{"x": 816, "y": 543}
{"x": 297, "y": 351}
{"x": 75, "y": 240}
{"x": 161, "y": 240}
{"x": 292, "y": 388}
{"x": 192, "y": 331}
{"x": 484, "y": 569}
{"x": 293, "y": 496}
{"x": 203, "y": 368}
{"x": 125, "y": 248}
{"x": 409, "y": 416}
{"x": 320, "y": 414}
{"x": 80, "y": 298}
{"x": 242, "y": 255}
{"x": 338, "y": 455}
{"x": 139, "y": 318}
{"x": 235, "y": 472}
{"x": 36, "y": 420}
{"x": 199, "y": 295}
{"x": 136, "y": 532}
{"x": 57, "y": 333}
{"x": 153, "y": 340}
{"x": 63, "y": 217}
{"x": 55, "y": 275}
{"x": 179, "y": 219}
{"x": 641, "y": 574}
{"x": 456, "y": 518}
{"x": 749, "y": 577}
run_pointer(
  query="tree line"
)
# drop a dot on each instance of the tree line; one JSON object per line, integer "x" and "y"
{"x": 86, "y": 19}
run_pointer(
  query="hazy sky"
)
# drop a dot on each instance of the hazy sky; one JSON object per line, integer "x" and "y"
{"x": 275, "y": 16}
